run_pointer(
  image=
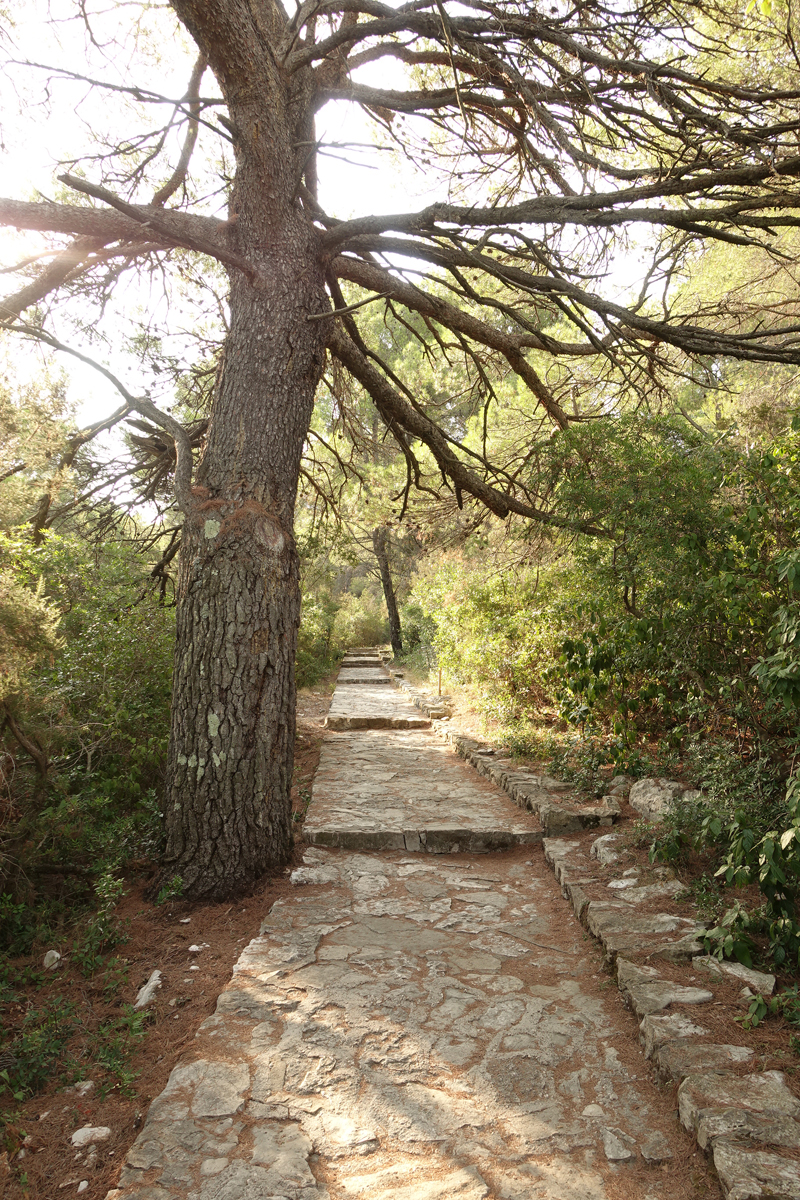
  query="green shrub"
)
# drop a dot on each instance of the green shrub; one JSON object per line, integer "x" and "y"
{"x": 38, "y": 1049}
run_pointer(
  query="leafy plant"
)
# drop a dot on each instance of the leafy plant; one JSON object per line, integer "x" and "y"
{"x": 786, "y": 1004}
{"x": 38, "y": 1049}
{"x": 171, "y": 890}
{"x": 731, "y": 938}
{"x": 114, "y": 1042}
{"x": 102, "y": 931}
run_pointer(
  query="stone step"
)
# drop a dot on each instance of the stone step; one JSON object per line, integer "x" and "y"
{"x": 351, "y": 675}
{"x": 372, "y": 706}
{"x": 447, "y": 840}
{"x": 394, "y": 1034}
{"x": 406, "y": 791}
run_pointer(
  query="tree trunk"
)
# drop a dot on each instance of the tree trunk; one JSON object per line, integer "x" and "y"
{"x": 379, "y": 539}
{"x": 233, "y": 708}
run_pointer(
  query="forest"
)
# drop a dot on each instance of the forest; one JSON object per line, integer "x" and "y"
{"x": 539, "y": 434}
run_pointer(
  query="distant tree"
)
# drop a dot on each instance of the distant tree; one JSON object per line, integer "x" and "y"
{"x": 566, "y": 139}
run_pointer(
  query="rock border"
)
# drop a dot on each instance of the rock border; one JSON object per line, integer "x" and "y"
{"x": 742, "y": 1121}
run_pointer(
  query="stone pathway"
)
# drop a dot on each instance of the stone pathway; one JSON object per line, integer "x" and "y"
{"x": 413, "y": 1026}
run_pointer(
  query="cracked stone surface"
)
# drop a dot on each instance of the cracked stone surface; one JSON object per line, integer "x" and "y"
{"x": 406, "y": 790}
{"x": 753, "y": 1175}
{"x": 363, "y": 674}
{"x": 373, "y": 706}
{"x": 406, "y": 1028}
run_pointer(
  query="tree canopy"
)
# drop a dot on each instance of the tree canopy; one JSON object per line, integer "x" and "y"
{"x": 582, "y": 156}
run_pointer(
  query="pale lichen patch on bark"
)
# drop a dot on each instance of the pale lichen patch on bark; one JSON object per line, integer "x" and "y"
{"x": 211, "y": 528}
{"x": 213, "y": 725}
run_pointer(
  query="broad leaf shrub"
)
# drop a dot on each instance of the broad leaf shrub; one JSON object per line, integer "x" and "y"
{"x": 680, "y": 630}
{"x": 689, "y": 621}
{"x": 97, "y": 707}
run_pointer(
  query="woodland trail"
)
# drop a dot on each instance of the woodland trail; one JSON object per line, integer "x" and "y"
{"x": 422, "y": 1018}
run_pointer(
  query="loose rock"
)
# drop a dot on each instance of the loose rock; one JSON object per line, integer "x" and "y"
{"x": 88, "y": 1134}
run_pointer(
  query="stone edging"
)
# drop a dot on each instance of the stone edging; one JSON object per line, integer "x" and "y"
{"x": 742, "y": 1121}
{"x": 536, "y": 793}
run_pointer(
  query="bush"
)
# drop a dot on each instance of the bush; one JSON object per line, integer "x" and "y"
{"x": 38, "y": 1049}
{"x": 82, "y": 802}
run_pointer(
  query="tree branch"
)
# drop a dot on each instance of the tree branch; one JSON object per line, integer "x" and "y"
{"x": 396, "y": 410}
{"x": 164, "y": 224}
{"x": 141, "y": 404}
{"x": 377, "y": 279}
{"x": 192, "y": 97}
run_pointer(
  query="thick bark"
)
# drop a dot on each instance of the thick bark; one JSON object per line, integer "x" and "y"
{"x": 233, "y": 723}
{"x": 380, "y": 538}
{"x": 232, "y": 744}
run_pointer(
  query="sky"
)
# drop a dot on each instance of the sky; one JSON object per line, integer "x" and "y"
{"x": 46, "y": 120}
{"x": 49, "y": 119}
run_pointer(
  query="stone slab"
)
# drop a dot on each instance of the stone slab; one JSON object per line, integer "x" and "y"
{"x": 395, "y": 790}
{"x": 754, "y": 1175}
{"x": 762, "y": 1092}
{"x": 373, "y": 706}
{"x": 370, "y": 675}
{"x": 656, "y": 1029}
{"x": 759, "y": 981}
{"x": 684, "y": 1056}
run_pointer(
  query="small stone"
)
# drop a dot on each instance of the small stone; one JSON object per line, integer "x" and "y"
{"x": 603, "y": 849}
{"x": 51, "y": 960}
{"x": 184, "y": 920}
{"x": 90, "y": 1133}
{"x": 198, "y": 949}
{"x": 593, "y": 1110}
{"x": 313, "y": 875}
{"x": 656, "y": 1148}
{"x": 147, "y": 993}
{"x": 84, "y": 1087}
{"x": 83, "y": 1186}
{"x": 615, "y": 1149}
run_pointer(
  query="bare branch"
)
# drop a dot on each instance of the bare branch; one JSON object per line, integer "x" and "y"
{"x": 192, "y": 97}
{"x": 141, "y": 404}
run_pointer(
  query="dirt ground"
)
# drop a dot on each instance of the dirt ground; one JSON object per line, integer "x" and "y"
{"x": 37, "y": 1160}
